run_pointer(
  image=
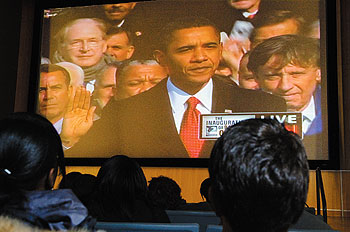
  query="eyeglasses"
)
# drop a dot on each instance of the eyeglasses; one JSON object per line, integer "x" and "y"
{"x": 84, "y": 44}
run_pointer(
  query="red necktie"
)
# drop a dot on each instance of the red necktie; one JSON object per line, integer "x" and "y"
{"x": 251, "y": 16}
{"x": 189, "y": 131}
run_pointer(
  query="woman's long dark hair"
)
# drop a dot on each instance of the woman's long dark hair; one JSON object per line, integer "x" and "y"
{"x": 29, "y": 148}
{"x": 120, "y": 182}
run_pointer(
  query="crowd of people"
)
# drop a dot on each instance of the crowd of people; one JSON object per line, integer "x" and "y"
{"x": 118, "y": 51}
{"x": 258, "y": 180}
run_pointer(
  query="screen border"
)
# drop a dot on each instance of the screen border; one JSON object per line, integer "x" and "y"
{"x": 333, "y": 91}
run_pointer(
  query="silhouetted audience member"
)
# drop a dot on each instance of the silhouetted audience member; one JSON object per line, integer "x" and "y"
{"x": 204, "y": 190}
{"x": 122, "y": 195}
{"x": 204, "y": 205}
{"x": 82, "y": 185}
{"x": 31, "y": 155}
{"x": 165, "y": 193}
{"x": 260, "y": 176}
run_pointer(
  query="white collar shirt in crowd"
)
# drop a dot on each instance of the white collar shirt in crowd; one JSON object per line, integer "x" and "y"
{"x": 58, "y": 125}
{"x": 309, "y": 114}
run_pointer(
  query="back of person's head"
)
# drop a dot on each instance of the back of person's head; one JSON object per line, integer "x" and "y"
{"x": 260, "y": 175}
{"x": 30, "y": 154}
{"x": 204, "y": 190}
{"x": 165, "y": 193}
{"x": 82, "y": 185}
{"x": 120, "y": 182}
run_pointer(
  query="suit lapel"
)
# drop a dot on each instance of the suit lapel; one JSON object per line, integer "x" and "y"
{"x": 218, "y": 105}
{"x": 162, "y": 123}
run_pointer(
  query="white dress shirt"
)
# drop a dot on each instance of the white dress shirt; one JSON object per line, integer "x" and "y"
{"x": 309, "y": 114}
{"x": 58, "y": 125}
{"x": 178, "y": 99}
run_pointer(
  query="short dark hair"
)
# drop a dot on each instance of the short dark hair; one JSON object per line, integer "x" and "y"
{"x": 165, "y": 193}
{"x": 166, "y": 33}
{"x": 114, "y": 30}
{"x": 260, "y": 175}
{"x": 294, "y": 49}
{"x": 29, "y": 148}
{"x": 47, "y": 68}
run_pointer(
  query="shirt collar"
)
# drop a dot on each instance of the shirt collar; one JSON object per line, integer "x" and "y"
{"x": 247, "y": 14}
{"x": 121, "y": 23}
{"x": 178, "y": 97}
{"x": 58, "y": 125}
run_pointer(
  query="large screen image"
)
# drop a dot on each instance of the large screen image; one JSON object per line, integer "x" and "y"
{"x": 141, "y": 78}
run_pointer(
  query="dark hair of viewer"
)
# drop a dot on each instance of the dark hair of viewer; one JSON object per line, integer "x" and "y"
{"x": 260, "y": 175}
{"x": 165, "y": 193}
{"x": 120, "y": 184}
{"x": 29, "y": 148}
{"x": 204, "y": 190}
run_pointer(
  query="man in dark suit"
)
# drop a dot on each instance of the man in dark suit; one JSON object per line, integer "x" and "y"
{"x": 152, "y": 124}
{"x": 289, "y": 66}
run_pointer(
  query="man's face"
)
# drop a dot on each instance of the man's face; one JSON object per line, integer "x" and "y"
{"x": 139, "y": 78}
{"x": 105, "y": 90}
{"x": 290, "y": 26}
{"x": 245, "y": 77}
{"x": 118, "y": 46}
{"x": 192, "y": 57}
{"x": 117, "y": 12}
{"x": 245, "y": 5}
{"x": 293, "y": 83}
{"x": 53, "y": 95}
{"x": 84, "y": 44}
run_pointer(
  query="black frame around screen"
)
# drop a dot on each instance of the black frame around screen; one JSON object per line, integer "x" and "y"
{"x": 330, "y": 43}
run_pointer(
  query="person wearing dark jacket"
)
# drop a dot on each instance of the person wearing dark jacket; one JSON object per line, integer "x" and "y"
{"x": 31, "y": 155}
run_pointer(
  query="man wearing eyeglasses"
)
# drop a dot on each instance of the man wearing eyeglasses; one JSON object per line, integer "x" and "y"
{"x": 82, "y": 42}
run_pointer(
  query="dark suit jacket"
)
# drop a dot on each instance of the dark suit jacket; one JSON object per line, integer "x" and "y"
{"x": 143, "y": 125}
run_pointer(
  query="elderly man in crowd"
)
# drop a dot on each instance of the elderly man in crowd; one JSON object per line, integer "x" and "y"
{"x": 137, "y": 76}
{"x": 82, "y": 42}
